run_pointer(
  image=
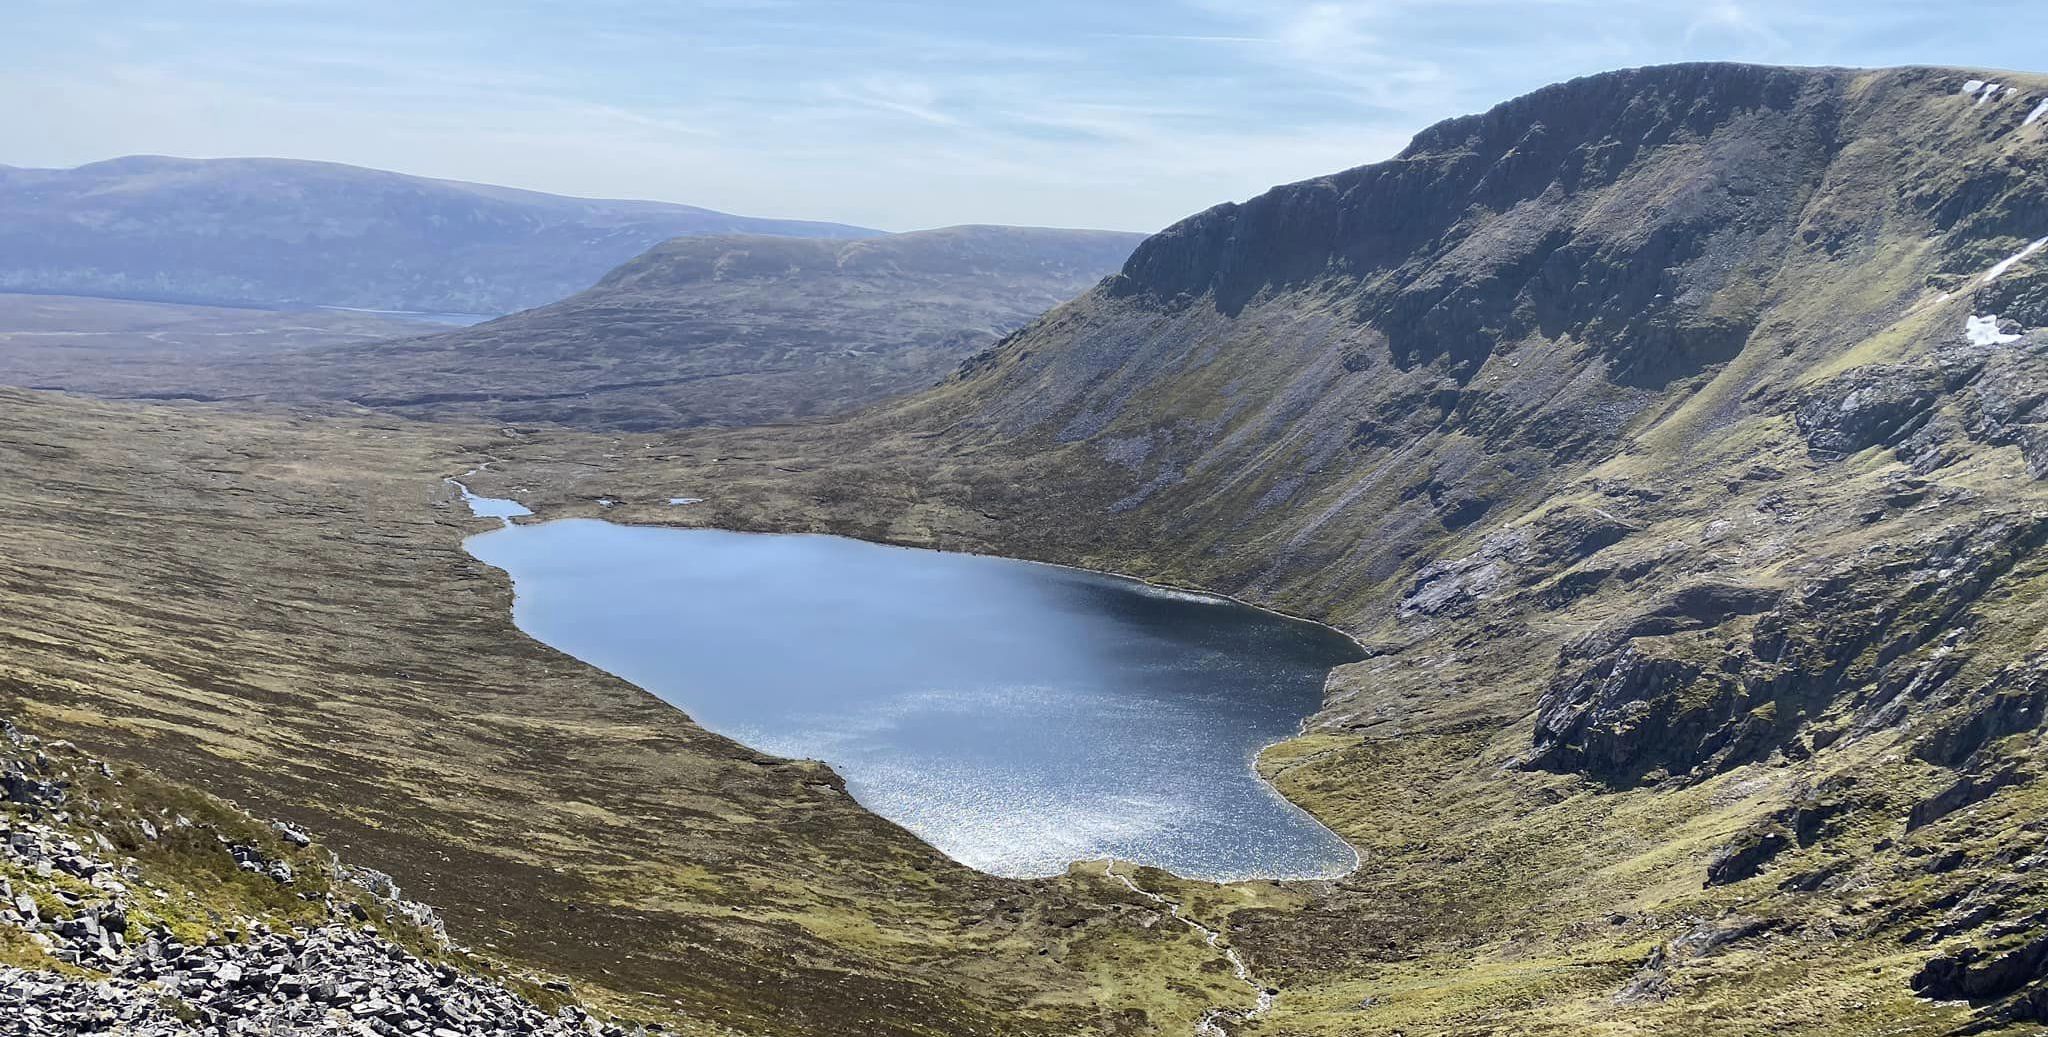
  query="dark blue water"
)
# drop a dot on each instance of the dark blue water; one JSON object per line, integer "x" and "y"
{"x": 1017, "y": 716}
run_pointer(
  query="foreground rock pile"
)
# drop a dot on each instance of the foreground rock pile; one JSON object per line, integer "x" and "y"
{"x": 110, "y": 973}
{"x": 334, "y": 979}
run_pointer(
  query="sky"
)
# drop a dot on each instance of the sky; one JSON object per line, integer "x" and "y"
{"x": 896, "y": 114}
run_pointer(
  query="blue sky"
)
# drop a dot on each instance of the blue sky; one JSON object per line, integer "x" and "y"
{"x": 903, "y": 114}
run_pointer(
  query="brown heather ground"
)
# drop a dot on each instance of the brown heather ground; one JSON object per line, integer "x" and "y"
{"x": 278, "y": 608}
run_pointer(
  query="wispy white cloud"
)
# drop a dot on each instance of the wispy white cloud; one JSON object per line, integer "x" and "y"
{"x": 895, "y": 113}
{"x": 1729, "y": 18}
{"x": 1173, "y": 37}
{"x": 907, "y": 97}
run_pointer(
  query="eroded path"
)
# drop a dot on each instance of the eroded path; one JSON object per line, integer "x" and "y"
{"x": 1211, "y": 1022}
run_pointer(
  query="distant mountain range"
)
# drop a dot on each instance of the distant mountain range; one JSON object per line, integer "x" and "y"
{"x": 731, "y": 329}
{"x": 722, "y": 330}
{"x": 278, "y": 232}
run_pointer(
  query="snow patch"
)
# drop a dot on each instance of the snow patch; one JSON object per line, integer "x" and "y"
{"x": 677, "y": 502}
{"x": 2010, "y": 261}
{"x": 1973, "y": 86}
{"x": 2035, "y": 115}
{"x": 1989, "y": 92}
{"x": 1983, "y": 331}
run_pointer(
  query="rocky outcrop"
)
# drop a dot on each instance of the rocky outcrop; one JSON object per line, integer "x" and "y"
{"x": 1981, "y": 391}
{"x": 1683, "y": 687}
{"x": 126, "y": 975}
{"x": 1452, "y": 586}
{"x": 1745, "y": 855}
{"x": 2012, "y": 701}
{"x": 1964, "y": 791}
{"x": 1621, "y": 711}
{"x": 1698, "y": 605}
{"x": 1704, "y": 938}
{"x": 1802, "y": 823}
{"x": 1868, "y": 406}
{"x": 1512, "y": 559}
{"x": 1973, "y": 974}
{"x": 2001, "y": 401}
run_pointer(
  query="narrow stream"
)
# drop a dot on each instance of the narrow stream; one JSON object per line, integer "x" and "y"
{"x": 1210, "y": 1024}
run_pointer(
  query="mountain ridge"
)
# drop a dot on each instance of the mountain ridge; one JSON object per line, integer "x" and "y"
{"x": 711, "y": 329}
{"x": 234, "y": 231}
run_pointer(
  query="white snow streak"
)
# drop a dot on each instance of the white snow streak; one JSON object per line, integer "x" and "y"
{"x": 2010, "y": 261}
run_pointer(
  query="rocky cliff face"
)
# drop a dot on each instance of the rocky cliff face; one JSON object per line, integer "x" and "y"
{"x": 1490, "y": 229}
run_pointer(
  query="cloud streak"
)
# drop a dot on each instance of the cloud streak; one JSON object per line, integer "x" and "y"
{"x": 899, "y": 114}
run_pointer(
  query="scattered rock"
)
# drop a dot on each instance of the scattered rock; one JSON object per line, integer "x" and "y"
{"x": 1866, "y": 407}
{"x": 1651, "y": 982}
{"x": 1745, "y": 855}
{"x": 246, "y": 979}
{"x": 1967, "y": 790}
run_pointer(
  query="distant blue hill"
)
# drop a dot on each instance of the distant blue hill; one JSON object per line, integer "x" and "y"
{"x": 279, "y": 232}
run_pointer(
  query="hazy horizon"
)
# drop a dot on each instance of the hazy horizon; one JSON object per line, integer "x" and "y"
{"x": 892, "y": 115}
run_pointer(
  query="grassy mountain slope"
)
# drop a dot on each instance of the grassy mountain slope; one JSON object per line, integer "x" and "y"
{"x": 698, "y": 330}
{"x": 278, "y": 232}
{"x": 1638, "y": 425}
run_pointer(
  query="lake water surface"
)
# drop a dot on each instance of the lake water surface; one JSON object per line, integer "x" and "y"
{"x": 1016, "y": 716}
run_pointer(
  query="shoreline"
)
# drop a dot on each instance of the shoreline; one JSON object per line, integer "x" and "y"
{"x": 1202, "y": 596}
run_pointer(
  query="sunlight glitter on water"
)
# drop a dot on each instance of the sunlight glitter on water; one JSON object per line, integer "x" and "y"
{"x": 1019, "y": 717}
